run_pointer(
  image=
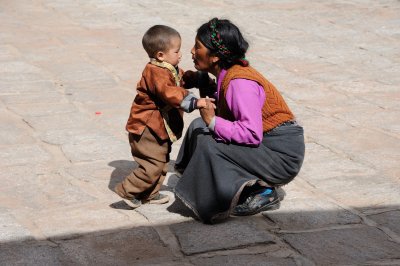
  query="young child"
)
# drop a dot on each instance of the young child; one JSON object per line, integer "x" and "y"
{"x": 155, "y": 119}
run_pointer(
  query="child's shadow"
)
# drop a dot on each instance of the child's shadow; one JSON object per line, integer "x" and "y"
{"x": 122, "y": 169}
{"x": 125, "y": 167}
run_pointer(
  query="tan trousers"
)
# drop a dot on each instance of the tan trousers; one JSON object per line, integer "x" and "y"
{"x": 152, "y": 155}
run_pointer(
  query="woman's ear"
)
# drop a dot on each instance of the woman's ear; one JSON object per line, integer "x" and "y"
{"x": 214, "y": 59}
{"x": 160, "y": 56}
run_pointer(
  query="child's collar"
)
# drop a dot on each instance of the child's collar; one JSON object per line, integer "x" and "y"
{"x": 168, "y": 66}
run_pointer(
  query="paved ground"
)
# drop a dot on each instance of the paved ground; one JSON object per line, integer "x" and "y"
{"x": 67, "y": 75}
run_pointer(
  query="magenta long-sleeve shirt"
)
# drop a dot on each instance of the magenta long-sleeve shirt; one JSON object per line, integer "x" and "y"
{"x": 245, "y": 99}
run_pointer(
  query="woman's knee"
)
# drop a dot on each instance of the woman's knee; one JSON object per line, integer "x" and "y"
{"x": 206, "y": 144}
{"x": 197, "y": 123}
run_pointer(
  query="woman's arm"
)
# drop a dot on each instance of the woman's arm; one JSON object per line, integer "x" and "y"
{"x": 199, "y": 79}
{"x": 245, "y": 99}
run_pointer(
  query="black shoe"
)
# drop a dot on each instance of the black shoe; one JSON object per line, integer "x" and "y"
{"x": 257, "y": 203}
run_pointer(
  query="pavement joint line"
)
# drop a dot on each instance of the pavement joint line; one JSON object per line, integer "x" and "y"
{"x": 394, "y": 262}
{"x": 89, "y": 59}
{"x": 169, "y": 239}
{"x": 239, "y": 247}
{"x": 364, "y": 218}
{"x": 337, "y": 152}
{"x": 380, "y": 211}
{"x": 322, "y": 229}
{"x": 256, "y": 249}
{"x": 298, "y": 256}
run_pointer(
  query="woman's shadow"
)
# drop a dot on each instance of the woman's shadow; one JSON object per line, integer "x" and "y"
{"x": 122, "y": 168}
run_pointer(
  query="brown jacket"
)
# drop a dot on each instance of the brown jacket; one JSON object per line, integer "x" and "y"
{"x": 275, "y": 110}
{"x": 156, "y": 89}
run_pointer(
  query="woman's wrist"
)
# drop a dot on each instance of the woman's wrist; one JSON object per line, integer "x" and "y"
{"x": 211, "y": 125}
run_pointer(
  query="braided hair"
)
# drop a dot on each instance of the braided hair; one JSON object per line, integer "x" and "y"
{"x": 223, "y": 39}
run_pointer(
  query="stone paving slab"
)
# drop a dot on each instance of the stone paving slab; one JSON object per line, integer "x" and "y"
{"x": 89, "y": 96}
{"x": 22, "y": 77}
{"x": 50, "y": 190}
{"x": 198, "y": 238}
{"x": 314, "y": 214}
{"x": 70, "y": 223}
{"x": 356, "y": 245}
{"x": 95, "y": 172}
{"x": 22, "y": 86}
{"x": 23, "y": 154}
{"x": 32, "y": 253}
{"x": 369, "y": 146}
{"x": 323, "y": 163}
{"x": 14, "y": 131}
{"x": 59, "y": 121}
{"x": 389, "y": 219}
{"x": 91, "y": 150}
{"x": 26, "y": 174}
{"x": 123, "y": 247}
{"x": 250, "y": 260}
{"x": 11, "y": 230}
{"x": 8, "y": 52}
{"x": 385, "y": 192}
{"x": 42, "y": 109}
{"x": 51, "y": 97}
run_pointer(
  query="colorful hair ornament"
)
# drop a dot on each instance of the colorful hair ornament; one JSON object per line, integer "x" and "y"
{"x": 216, "y": 38}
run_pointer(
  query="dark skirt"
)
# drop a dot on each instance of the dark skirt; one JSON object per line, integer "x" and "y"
{"x": 216, "y": 173}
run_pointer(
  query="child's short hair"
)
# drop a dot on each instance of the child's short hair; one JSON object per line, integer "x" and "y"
{"x": 158, "y": 39}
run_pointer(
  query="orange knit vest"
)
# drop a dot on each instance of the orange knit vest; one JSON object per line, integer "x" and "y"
{"x": 275, "y": 110}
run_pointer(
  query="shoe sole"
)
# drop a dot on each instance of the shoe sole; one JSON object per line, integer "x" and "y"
{"x": 159, "y": 201}
{"x": 269, "y": 207}
{"x": 281, "y": 193}
{"x": 131, "y": 204}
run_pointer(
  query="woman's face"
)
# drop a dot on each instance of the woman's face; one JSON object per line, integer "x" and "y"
{"x": 202, "y": 60}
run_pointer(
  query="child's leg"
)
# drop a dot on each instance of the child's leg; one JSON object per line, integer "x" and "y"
{"x": 154, "y": 190}
{"x": 152, "y": 158}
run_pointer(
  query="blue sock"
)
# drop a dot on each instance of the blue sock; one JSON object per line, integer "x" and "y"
{"x": 266, "y": 192}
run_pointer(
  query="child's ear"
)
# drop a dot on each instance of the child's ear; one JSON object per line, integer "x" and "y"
{"x": 160, "y": 56}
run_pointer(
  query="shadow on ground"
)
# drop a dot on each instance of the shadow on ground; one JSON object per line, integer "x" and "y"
{"x": 277, "y": 237}
{"x": 122, "y": 169}
{"x": 125, "y": 167}
{"x": 291, "y": 235}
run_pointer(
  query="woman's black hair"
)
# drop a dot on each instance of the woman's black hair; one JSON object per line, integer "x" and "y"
{"x": 224, "y": 40}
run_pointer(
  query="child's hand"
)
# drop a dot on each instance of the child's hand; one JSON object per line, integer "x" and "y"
{"x": 189, "y": 79}
{"x": 205, "y": 103}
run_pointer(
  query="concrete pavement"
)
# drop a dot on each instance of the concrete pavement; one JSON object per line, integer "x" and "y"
{"x": 68, "y": 70}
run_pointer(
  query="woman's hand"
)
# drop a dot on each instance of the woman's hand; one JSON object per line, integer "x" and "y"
{"x": 204, "y": 102}
{"x": 208, "y": 112}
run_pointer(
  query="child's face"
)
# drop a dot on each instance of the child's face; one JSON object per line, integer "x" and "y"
{"x": 173, "y": 55}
